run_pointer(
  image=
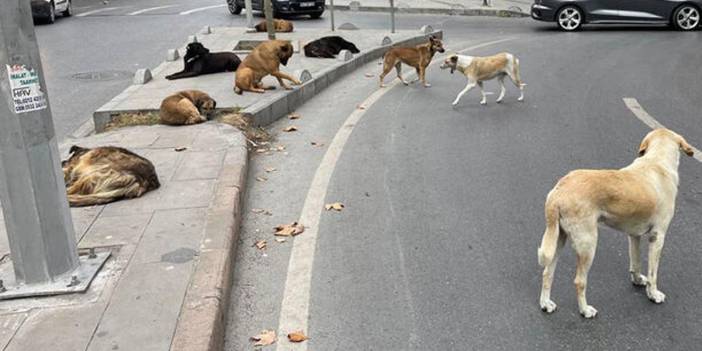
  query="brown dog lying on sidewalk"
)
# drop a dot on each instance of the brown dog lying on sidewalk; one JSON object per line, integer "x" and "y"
{"x": 418, "y": 57}
{"x": 638, "y": 200}
{"x": 186, "y": 107}
{"x": 106, "y": 174}
{"x": 265, "y": 59}
{"x": 281, "y": 26}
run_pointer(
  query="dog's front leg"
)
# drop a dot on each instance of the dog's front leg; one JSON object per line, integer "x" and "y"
{"x": 281, "y": 75}
{"x": 483, "y": 101}
{"x": 654, "y": 255}
{"x": 635, "y": 261}
{"x": 468, "y": 87}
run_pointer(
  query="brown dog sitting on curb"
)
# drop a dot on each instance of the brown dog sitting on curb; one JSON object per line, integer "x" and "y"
{"x": 418, "y": 57}
{"x": 265, "y": 59}
{"x": 106, "y": 174}
{"x": 186, "y": 107}
{"x": 281, "y": 26}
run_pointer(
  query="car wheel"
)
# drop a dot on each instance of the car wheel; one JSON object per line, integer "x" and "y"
{"x": 569, "y": 18}
{"x": 51, "y": 17}
{"x": 68, "y": 12}
{"x": 686, "y": 17}
{"x": 234, "y": 8}
{"x": 316, "y": 14}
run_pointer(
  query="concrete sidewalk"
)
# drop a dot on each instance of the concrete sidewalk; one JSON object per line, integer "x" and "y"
{"x": 166, "y": 285}
{"x": 499, "y": 8}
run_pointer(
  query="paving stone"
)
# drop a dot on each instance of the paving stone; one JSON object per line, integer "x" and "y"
{"x": 9, "y": 323}
{"x": 171, "y": 195}
{"x": 170, "y": 231}
{"x": 83, "y": 218}
{"x": 165, "y": 161}
{"x": 144, "y": 309}
{"x": 66, "y": 328}
{"x": 112, "y": 231}
{"x": 199, "y": 165}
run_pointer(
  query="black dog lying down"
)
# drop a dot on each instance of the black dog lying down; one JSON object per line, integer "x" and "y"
{"x": 328, "y": 47}
{"x": 198, "y": 60}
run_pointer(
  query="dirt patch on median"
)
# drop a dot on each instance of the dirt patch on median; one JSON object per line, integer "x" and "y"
{"x": 232, "y": 117}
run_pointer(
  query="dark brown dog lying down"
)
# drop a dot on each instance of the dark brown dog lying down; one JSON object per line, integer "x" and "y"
{"x": 186, "y": 107}
{"x": 280, "y": 26}
{"x": 106, "y": 174}
{"x": 265, "y": 59}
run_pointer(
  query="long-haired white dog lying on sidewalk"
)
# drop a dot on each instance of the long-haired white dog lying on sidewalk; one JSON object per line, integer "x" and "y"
{"x": 480, "y": 69}
{"x": 638, "y": 199}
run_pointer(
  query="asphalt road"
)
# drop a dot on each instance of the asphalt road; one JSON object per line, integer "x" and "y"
{"x": 436, "y": 247}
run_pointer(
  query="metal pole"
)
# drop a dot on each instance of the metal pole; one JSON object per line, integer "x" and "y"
{"x": 392, "y": 16}
{"x": 37, "y": 217}
{"x": 331, "y": 10}
{"x": 249, "y": 14}
{"x": 268, "y": 12}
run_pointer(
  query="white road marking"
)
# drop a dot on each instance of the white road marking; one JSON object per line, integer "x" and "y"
{"x": 97, "y": 11}
{"x": 642, "y": 115}
{"x": 201, "y": 9}
{"x": 150, "y": 9}
{"x": 294, "y": 311}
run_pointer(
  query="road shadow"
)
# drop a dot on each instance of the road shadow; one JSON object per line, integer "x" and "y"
{"x": 609, "y": 28}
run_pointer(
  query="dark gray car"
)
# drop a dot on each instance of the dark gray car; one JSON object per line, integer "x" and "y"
{"x": 572, "y": 14}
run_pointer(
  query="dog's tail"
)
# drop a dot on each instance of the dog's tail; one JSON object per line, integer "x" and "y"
{"x": 547, "y": 250}
{"x": 78, "y": 200}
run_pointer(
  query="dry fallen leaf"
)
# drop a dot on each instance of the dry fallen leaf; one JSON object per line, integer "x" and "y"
{"x": 270, "y": 169}
{"x": 317, "y": 144}
{"x": 361, "y": 107}
{"x": 291, "y": 229}
{"x": 262, "y": 211}
{"x": 266, "y": 337}
{"x": 290, "y": 129}
{"x": 260, "y": 244}
{"x": 336, "y": 206}
{"x": 370, "y": 75}
{"x": 294, "y": 115}
{"x": 280, "y": 240}
{"x": 179, "y": 149}
{"x": 298, "y": 336}
{"x": 261, "y": 179}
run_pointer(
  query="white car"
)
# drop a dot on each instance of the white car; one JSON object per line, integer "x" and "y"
{"x": 46, "y": 10}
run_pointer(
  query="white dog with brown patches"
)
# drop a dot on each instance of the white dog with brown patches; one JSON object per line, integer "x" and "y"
{"x": 480, "y": 69}
{"x": 638, "y": 200}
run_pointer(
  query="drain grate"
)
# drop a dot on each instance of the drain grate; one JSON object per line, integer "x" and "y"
{"x": 101, "y": 76}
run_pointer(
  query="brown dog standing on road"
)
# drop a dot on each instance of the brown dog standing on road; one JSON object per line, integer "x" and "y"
{"x": 186, "y": 107}
{"x": 638, "y": 200}
{"x": 106, "y": 174}
{"x": 265, "y": 59}
{"x": 418, "y": 57}
{"x": 281, "y": 26}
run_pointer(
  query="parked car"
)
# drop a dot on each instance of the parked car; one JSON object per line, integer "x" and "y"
{"x": 46, "y": 10}
{"x": 570, "y": 15}
{"x": 313, "y": 8}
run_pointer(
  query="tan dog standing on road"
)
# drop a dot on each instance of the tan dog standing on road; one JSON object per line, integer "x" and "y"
{"x": 418, "y": 57}
{"x": 480, "y": 69}
{"x": 106, "y": 174}
{"x": 265, "y": 59}
{"x": 186, "y": 107}
{"x": 281, "y": 26}
{"x": 638, "y": 199}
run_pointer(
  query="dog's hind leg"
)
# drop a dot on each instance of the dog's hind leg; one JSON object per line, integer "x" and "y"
{"x": 585, "y": 244}
{"x": 468, "y": 87}
{"x": 655, "y": 245}
{"x": 547, "y": 305}
{"x": 398, "y": 69}
{"x": 635, "y": 261}
{"x": 501, "y": 79}
{"x": 516, "y": 79}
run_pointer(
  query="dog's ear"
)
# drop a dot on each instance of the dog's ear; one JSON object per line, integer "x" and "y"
{"x": 76, "y": 149}
{"x": 644, "y": 146}
{"x": 685, "y": 146}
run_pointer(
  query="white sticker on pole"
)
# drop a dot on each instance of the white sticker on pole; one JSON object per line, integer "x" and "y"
{"x": 27, "y": 95}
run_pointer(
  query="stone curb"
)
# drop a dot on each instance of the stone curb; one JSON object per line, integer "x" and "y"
{"x": 202, "y": 321}
{"x": 269, "y": 109}
{"x": 477, "y": 11}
